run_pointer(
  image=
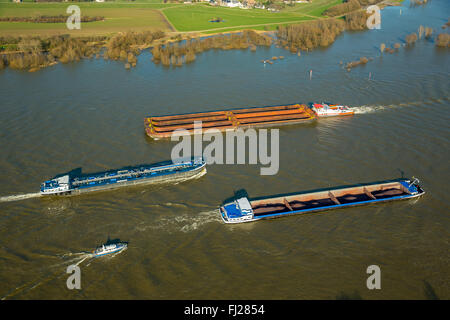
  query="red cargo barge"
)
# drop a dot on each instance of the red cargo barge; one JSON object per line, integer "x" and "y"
{"x": 164, "y": 126}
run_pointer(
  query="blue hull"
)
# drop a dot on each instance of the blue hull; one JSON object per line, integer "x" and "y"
{"x": 118, "y": 178}
{"x": 244, "y": 210}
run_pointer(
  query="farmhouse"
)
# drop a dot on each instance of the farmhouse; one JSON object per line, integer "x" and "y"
{"x": 232, "y": 3}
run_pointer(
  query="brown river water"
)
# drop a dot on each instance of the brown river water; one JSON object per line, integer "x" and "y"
{"x": 90, "y": 115}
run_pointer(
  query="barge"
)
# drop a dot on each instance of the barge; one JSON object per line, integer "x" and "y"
{"x": 138, "y": 175}
{"x": 245, "y": 210}
{"x": 164, "y": 126}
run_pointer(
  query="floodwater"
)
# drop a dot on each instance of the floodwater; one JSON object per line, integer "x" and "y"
{"x": 90, "y": 115}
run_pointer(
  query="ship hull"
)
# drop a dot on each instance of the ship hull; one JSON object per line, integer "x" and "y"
{"x": 110, "y": 252}
{"x": 163, "y": 178}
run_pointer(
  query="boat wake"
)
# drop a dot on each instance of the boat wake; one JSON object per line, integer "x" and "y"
{"x": 191, "y": 223}
{"x": 194, "y": 177}
{"x": 77, "y": 260}
{"x": 368, "y": 109}
{"x": 53, "y": 272}
{"x": 375, "y": 108}
{"x": 19, "y": 197}
{"x": 183, "y": 222}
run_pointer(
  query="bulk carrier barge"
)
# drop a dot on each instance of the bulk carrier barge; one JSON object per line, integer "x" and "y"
{"x": 144, "y": 174}
{"x": 165, "y": 126}
{"x": 246, "y": 210}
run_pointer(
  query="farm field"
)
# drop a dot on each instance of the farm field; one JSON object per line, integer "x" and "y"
{"x": 143, "y": 15}
{"x": 118, "y": 17}
{"x": 197, "y": 17}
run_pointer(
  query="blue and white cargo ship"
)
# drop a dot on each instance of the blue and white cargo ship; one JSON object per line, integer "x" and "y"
{"x": 144, "y": 174}
{"x": 245, "y": 210}
{"x": 105, "y": 249}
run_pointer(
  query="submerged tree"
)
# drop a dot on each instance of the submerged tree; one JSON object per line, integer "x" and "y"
{"x": 443, "y": 40}
{"x": 342, "y": 8}
{"x": 309, "y": 36}
{"x": 181, "y": 52}
{"x": 411, "y": 38}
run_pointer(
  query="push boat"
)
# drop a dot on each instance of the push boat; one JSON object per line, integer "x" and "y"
{"x": 332, "y": 110}
{"x": 105, "y": 249}
{"x": 143, "y": 174}
{"x": 227, "y": 120}
{"x": 245, "y": 210}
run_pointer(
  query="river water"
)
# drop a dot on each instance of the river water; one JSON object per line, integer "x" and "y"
{"x": 90, "y": 115}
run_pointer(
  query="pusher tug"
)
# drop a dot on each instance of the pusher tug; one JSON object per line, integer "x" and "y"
{"x": 332, "y": 110}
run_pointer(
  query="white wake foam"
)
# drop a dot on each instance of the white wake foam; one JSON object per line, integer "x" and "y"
{"x": 368, "y": 109}
{"x": 193, "y": 223}
{"x": 19, "y": 197}
{"x": 198, "y": 175}
{"x": 183, "y": 222}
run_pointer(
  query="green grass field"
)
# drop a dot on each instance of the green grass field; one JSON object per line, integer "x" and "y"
{"x": 196, "y": 17}
{"x": 119, "y": 17}
{"x": 140, "y": 15}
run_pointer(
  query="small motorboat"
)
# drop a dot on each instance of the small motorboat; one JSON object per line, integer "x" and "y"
{"x": 325, "y": 110}
{"x": 105, "y": 249}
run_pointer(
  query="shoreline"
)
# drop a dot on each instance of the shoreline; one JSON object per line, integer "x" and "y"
{"x": 100, "y": 47}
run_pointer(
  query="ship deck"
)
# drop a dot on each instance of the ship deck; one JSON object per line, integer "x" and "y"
{"x": 330, "y": 199}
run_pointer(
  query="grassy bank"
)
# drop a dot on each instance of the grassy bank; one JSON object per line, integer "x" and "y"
{"x": 151, "y": 15}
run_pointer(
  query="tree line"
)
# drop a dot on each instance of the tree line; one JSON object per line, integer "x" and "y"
{"x": 185, "y": 51}
{"x": 50, "y": 19}
{"x": 322, "y": 33}
{"x": 33, "y": 53}
{"x": 342, "y": 8}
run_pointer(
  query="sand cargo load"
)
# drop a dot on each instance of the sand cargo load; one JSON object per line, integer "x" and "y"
{"x": 257, "y": 117}
{"x": 247, "y": 210}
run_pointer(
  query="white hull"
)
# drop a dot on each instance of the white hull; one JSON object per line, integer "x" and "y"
{"x": 323, "y": 110}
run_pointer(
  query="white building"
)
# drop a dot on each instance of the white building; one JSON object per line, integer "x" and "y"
{"x": 232, "y": 3}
